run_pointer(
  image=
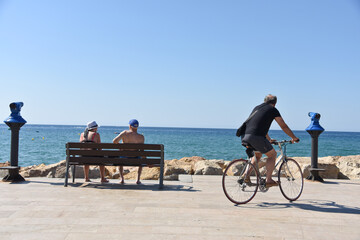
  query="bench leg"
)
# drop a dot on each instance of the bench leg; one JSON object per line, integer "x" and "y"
{"x": 66, "y": 174}
{"x": 161, "y": 178}
{"x": 73, "y": 172}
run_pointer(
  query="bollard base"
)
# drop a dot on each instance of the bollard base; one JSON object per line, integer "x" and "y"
{"x": 13, "y": 178}
{"x": 315, "y": 178}
{"x": 314, "y": 174}
{"x": 13, "y": 175}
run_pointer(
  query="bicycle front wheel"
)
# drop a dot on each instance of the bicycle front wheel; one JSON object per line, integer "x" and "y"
{"x": 291, "y": 179}
{"x": 240, "y": 181}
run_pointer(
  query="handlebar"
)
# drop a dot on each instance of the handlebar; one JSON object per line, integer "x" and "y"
{"x": 282, "y": 142}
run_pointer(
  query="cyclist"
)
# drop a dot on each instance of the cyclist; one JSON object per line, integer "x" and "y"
{"x": 256, "y": 134}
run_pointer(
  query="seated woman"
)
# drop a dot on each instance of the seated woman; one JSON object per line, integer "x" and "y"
{"x": 90, "y": 135}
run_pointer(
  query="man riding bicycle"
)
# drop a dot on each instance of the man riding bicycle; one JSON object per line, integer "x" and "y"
{"x": 256, "y": 134}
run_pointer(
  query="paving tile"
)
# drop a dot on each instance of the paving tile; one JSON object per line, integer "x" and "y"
{"x": 42, "y": 208}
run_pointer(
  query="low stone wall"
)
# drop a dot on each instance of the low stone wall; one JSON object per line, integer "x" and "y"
{"x": 336, "y": 167}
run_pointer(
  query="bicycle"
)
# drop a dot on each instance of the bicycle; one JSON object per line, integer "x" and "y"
{"x": 240, "y": 185}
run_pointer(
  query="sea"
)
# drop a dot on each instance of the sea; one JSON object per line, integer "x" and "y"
{"x": 46, "y": 143}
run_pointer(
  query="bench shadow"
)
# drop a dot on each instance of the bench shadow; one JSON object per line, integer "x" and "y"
{"x": 117, "y": 186}
{"x": 313, "y": 205}
{"x": 129, "y": 186}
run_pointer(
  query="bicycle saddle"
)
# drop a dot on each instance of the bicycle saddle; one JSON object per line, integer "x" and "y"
{"x": 249, "y": 149}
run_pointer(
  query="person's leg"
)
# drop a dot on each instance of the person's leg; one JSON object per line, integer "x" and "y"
{"x": 139, "y": 173}
{"x": 86, "y": 173}
{"x": 121, "y": 171}
{"x": 256, "y": 158}
{"x": 102, "y": 174}
{"x": 270, "y": 165}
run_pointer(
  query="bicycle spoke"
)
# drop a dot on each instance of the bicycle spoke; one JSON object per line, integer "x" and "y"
{"x": 291, "y": 179}
{"x": 240, "y": 181}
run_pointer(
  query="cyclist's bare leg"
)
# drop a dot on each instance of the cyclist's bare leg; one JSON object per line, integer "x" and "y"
{"x": 258, "y": 156}
{"x": 270, "y": 165}
{"x": 253, "y": 161}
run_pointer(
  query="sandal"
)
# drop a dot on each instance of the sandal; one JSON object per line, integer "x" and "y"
{"x": 271, "y": 184}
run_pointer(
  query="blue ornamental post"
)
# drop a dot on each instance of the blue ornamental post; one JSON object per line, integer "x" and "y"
{"x": 15, "y": 122}
{"x": 314, "y": 129}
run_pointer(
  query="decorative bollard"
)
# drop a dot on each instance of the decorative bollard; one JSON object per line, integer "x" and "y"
{"x": 314, "y": 129}
{"x": 15, "y": 122}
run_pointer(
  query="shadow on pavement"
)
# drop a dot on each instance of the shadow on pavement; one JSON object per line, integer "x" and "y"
{"x": 117, "y": 186}
{"x": 313, "y": 205}
{"x": 151, "y": 187}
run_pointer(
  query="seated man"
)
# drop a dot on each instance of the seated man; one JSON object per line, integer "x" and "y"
{"x": 130, "y": 136}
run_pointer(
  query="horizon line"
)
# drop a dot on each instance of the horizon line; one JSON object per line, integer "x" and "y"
{"x": 81, "y": 125}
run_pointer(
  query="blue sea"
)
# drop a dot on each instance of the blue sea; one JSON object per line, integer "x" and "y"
{"x": 46, "y": 143}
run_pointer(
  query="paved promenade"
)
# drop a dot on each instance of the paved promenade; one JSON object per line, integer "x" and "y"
{"x": 41, "y": 208}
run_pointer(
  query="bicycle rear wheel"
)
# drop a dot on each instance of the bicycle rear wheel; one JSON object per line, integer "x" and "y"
{"x": 291, "y": 179}
{"x": 237, "y": 187}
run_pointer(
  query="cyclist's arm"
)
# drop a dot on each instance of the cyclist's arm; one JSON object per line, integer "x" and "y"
{"x": 270, "y": 139}
{"x": 286, "y": 129}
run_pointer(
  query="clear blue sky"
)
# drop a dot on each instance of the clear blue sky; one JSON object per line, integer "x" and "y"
{"x": 180, "y": 63}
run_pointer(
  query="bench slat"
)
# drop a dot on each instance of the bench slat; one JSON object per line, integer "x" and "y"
{"x": 70, "y": 145}
{"x": 113, "y": 161}
{"x": 116, "y": 153}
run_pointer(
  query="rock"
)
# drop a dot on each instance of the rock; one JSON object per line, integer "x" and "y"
{"x": 206, "y": 167}
{"x": 349, "y": 167}
{"x": 60, "y": 172}
{"x": 50, "y": 175}
{"x": 219, "y": 162}
{"x": 146, "y": 174}
{"x": 346, "y": 167}
{"x": 235, "y": 169}
{"x": 179, "y": 169}
{"x": 331, "y": 171}
{"x": 110, "y": 171}
{"x": 41, "y": 170}
{"x": 5, "y": 164}
{"x": 173, "y": 177}
{"x": 94, "y": 172}
{"x": 185, "y": 165}
{"x": 193, "y": 159}
{"x": 327, "y": 163}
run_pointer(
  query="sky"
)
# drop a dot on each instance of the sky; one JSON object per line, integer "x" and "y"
{"x": 185, "y": 63}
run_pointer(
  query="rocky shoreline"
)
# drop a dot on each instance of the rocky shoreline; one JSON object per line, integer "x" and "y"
{"x": 336, "y": 167}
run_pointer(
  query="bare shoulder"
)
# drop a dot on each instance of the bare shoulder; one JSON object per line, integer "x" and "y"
{"x": 142, "y": 136}
{"x": 126, "y": 133}
{"x": 118, "y": 138}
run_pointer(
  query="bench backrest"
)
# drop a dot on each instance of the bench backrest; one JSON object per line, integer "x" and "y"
{"x": 130, "y": 154}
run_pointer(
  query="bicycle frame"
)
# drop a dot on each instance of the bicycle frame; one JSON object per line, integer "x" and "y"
{"x": 242, "y": 178}
{"x": 281, "y": 158}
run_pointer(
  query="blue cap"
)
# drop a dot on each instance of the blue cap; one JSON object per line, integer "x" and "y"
{"x": 134, "y": 123}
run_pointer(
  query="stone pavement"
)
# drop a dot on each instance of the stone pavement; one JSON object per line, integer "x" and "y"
{"x": 41, "y": 208}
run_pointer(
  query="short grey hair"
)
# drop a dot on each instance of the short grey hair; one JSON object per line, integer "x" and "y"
{"x": 271, "y": 99}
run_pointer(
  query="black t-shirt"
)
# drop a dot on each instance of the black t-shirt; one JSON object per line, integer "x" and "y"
{"x": 260, "y": 123}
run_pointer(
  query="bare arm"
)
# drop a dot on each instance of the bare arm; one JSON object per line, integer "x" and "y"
{"x": 81, "y": 137}
{"x": 97, "y": 137}
{"x": 268, "y": 137}
{"x": 286, "y": 129}
{"x": 119, "y": 137}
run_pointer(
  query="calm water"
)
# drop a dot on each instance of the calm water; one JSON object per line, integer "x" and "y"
{"x": 46, "y": 143}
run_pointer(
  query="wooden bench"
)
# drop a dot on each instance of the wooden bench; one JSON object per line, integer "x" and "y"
{"x": 110, "y": 154}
